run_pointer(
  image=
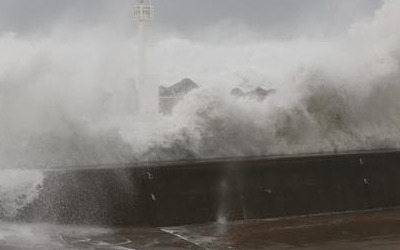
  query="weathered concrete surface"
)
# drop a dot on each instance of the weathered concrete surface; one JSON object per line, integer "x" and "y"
{"x": 231, "y": 189}
{"x": 364, "y": 231}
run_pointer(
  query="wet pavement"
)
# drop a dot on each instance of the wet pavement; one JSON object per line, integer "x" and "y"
{"x": 367, "y": 230}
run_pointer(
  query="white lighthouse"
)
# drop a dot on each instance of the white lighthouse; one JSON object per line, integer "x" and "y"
{"x": 147, "y": 86}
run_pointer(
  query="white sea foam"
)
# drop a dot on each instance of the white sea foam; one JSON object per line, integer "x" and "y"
{"x": 65, "y": 98}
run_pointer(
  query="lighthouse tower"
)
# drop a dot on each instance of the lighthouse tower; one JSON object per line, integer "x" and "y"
{"x": 147, "y": 86}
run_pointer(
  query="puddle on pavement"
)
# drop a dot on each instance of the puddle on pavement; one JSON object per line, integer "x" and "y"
{"x": 371, "y": 230}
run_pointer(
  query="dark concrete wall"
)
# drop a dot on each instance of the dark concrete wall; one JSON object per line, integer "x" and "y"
{"x": 235, "y": 189}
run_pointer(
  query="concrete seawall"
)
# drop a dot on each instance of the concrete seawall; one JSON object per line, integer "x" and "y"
{"x": 231, "y": 189}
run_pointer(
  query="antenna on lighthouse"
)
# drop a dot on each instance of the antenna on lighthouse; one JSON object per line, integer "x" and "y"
{"x": 148, "y": 92}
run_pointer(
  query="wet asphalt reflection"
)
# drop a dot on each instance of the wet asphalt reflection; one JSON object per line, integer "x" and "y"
{"x": 367, "y": 230}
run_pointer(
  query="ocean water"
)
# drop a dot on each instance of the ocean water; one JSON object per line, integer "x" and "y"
{"x": 66, "y": 96}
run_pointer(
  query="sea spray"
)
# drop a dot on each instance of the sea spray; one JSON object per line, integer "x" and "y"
{"x": 65, "y": 97}
{"x": 18, "y": 188}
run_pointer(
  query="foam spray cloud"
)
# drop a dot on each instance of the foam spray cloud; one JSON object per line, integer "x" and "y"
{"x": 65, "y": 97}
{"x": 334, "y": 94}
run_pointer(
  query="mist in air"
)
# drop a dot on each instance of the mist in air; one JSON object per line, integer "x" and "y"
{"x": 66, "y": 80}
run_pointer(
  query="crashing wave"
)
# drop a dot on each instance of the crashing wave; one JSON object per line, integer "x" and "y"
{"x": 67, "y": 102}
{"x": 18, "y": 188}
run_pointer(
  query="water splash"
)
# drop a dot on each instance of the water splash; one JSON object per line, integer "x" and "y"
{"x": 65, "y": 98}
{"x": 18, "y": 188}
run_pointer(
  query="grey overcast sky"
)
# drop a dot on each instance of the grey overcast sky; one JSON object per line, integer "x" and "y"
{"x": 183, "y": 16}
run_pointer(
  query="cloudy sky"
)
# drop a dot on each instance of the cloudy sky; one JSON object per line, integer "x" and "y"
{"x": 290, "y": 16}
